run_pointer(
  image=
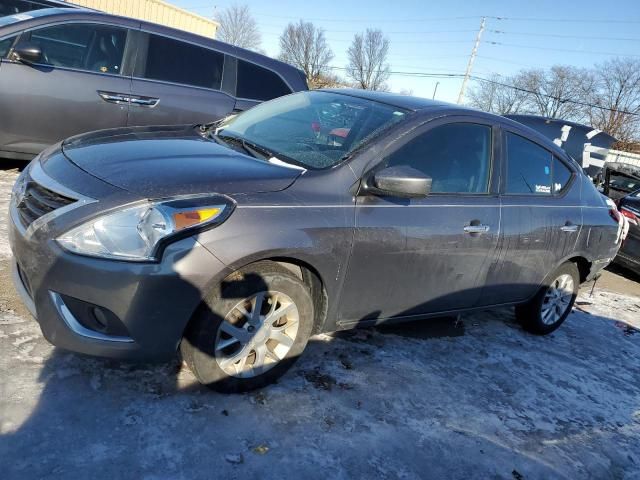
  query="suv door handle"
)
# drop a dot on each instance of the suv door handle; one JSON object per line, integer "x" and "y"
{"x": 112, "y": 97}
{"x": 476, "y": 228}
{"x": 145, "y": 101}
{"x": 569, "y": 227}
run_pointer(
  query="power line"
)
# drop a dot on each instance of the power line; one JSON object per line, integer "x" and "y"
{"x": 439, "y": 19}
{"x": 565, "y": 20}
{"x": 502, "y": 60}
{"x": 370, "y": 20}
{"x": 553, "y": 35}
{"x": 389, "y": 32}
{"x": 415, "y": 74}
{"x": 506, "y": 85}
{"x": 554, "y": 97}
{"x": 586, "y": 52}
{"x": 408, "y": 42}
{"x": 207, "y": 6}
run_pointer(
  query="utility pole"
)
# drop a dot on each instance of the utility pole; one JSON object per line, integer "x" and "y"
{"x": 471, "y": 60}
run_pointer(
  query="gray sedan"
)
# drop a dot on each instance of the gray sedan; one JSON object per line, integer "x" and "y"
{"x": 234, "y": 242}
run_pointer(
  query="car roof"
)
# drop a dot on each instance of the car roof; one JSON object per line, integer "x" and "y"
{"x": 405, "y": 102}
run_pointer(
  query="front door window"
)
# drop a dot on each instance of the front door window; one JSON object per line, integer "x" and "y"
{"x": 96, "y": 48}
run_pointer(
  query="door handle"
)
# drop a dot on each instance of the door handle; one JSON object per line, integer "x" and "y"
{"x": 112, "y": 97}
{"x": 569, "y": 227}
{"x": 476, "y": 228}
{"x": 145, "y": 101}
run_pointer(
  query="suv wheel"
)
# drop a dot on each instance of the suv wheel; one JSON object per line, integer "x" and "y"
{"x": 553, "y": 303}
{"x": 251, "y": 330}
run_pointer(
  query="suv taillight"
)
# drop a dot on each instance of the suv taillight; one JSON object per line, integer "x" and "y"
{"x": 631, "y": 216}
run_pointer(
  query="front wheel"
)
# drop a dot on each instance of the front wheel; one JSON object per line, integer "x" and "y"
{"x": 250, "y": 330}
{"x": 553, "y": 303}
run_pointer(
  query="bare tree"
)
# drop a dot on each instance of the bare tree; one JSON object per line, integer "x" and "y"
{"x": 303, "y": 45}
{"x": 329, "y": 80}
{"x": 239, "y": 28}
{"x": 368, "y": 66}
{"x": 606, "y": 97}
{"x": 616, "y": 91}
{"x": 497, "y": 96}
{"x": 556, "y": 92}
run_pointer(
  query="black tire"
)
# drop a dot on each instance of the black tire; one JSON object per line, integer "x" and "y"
{"x": 530, "y": 313}
{"x": 198, "y": 344}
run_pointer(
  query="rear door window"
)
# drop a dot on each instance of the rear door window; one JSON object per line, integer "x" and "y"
{"x": 175, "y": 61}
{"x": 258, "y": 83}
{"x": 92, "y": 47}
{"x": 528, "y": 167}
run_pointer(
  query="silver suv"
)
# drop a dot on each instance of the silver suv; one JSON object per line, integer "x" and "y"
{"x": 65, "y": 71}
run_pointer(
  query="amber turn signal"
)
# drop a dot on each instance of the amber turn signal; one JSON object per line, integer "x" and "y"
{"x": 190, "y": 218}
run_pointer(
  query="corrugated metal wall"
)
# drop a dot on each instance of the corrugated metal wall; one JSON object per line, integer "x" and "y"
{"x": 155, "y": 11}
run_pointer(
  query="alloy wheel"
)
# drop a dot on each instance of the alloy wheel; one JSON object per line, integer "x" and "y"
{"x": 557, "y": 299}
{"x": 256, "y": 334}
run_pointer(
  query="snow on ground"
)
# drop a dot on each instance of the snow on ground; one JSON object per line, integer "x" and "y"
{"x": 482, "y": 399}
{"x": 7, "y": 178}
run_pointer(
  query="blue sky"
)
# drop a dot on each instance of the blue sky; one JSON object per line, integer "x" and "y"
{"x": 437, "y": 37}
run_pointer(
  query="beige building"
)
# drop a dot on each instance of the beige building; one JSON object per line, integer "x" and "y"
{"x": 156, "y": 11}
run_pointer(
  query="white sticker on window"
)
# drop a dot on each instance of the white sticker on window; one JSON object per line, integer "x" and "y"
{"x": 543, "y": 189}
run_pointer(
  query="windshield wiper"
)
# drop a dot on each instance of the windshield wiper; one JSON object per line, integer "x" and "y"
{"x": 205, "y": 129}
{"x": 233, "y": 142}
{"x": 251, "y": 148}
{"x": 257, "y": 151}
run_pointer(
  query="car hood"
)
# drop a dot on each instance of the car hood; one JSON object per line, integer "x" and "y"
{"x": 167, "y": 161}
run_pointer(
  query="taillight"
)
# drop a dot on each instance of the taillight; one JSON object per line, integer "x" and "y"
{"x": 631, "y": 216}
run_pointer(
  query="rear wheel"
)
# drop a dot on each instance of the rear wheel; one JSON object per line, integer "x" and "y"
{"x": 553, "y": 303}
{"x": 251, "y": 330}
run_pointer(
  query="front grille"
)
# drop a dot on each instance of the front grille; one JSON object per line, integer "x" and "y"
{"x": 38, "y": 201}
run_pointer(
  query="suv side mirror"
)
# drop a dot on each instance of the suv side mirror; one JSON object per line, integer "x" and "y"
{"x": 402, "y": 181}
{"x": 27, "y": 53}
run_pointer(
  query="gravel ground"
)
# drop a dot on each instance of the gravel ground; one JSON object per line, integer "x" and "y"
{"x": 480, "y": 399}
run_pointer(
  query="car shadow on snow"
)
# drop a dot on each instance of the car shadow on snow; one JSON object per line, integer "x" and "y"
{"x": 10, "y": 164}
{"x": 623, "y": 272}
{"x": 393, "y": 400}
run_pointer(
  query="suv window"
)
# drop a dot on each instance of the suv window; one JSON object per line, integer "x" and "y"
{"x": 258, "y": 83}
{"x": 5, "y": 46}
{"x": 11, "y": 7}
{"x": 97, "y": 48}
{"x": 174, "y": 61}
{"x": 528, "y": 167}
{"x": 456, "y": 156}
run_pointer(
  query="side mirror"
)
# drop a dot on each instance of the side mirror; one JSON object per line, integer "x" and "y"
{"x": 27, "y": 53}
{"x": 402, "y": 181}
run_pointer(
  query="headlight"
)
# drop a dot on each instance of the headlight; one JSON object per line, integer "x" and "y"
{"x": 17, "y": 192}
{"x": 137, "y": 232}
